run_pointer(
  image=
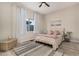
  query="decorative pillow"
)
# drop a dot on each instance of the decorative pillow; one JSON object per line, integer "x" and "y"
{"x": 51, "y": 32}
{"x": 57, "y": 32}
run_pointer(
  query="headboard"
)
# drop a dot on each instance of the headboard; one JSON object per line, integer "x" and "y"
{"x": 56, "y": 25}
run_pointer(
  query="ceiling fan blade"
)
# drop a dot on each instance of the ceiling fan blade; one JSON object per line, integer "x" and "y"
{"x": 40, "y": 5}
{"x": 44, "y": 3}
{"x": 47, "y": 4}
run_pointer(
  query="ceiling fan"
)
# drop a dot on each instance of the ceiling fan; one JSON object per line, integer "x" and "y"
{"x": 45, "y": 4}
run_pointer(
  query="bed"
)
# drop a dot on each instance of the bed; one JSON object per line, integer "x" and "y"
{"x": 53, "y": 38}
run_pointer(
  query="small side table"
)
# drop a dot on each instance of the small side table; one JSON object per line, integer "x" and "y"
{"x": 8, "y": 44}
{"x": 67, "y": 36}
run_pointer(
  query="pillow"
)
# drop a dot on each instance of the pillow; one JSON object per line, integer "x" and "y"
{"x": 51, "y": 32}
{"x": 57, "y": 32}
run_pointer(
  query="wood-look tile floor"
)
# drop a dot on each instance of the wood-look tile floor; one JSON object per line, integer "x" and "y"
{"x": 66, "y": 49}
{"x": 70, "y": 49}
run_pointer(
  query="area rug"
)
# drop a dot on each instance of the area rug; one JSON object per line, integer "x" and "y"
{"x": 32, "y": 48}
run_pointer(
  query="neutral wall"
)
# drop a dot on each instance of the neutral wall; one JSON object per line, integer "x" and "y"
{"x": 70, "y": 20}
{"x": 5, "y": 20}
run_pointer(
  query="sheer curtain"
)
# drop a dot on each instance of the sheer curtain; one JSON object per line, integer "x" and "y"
{"x": 21, "y": 22}
{"x": 18, "y": 21}
{"x": 38, "y": 22}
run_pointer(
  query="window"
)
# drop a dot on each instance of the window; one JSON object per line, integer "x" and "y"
{"x": 30, "y": 23}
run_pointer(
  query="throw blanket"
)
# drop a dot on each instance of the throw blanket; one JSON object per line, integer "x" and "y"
{"x": 49, "y": 40}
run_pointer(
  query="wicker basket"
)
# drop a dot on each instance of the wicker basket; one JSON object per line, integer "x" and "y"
{"x": 8, "y": 44}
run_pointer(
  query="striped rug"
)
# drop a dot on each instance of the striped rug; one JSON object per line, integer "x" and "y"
{"x": 31, "y": 48}
{"x": 25, "y": 47}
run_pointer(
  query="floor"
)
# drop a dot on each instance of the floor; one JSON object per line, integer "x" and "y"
{"x": 66, "y": 49}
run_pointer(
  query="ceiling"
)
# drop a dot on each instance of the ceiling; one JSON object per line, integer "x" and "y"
{"x": 44, "y": 9}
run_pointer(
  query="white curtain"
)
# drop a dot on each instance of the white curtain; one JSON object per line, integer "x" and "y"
{"x": 18, "y": 21}
{"x": 38, "y": 23}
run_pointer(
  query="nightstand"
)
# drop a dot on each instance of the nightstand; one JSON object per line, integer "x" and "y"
{"x": 67, "y": 36}
{"x": 8, "y": 44}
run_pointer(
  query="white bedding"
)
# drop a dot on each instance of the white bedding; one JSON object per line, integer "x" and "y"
{"x": 49, "y": 40}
